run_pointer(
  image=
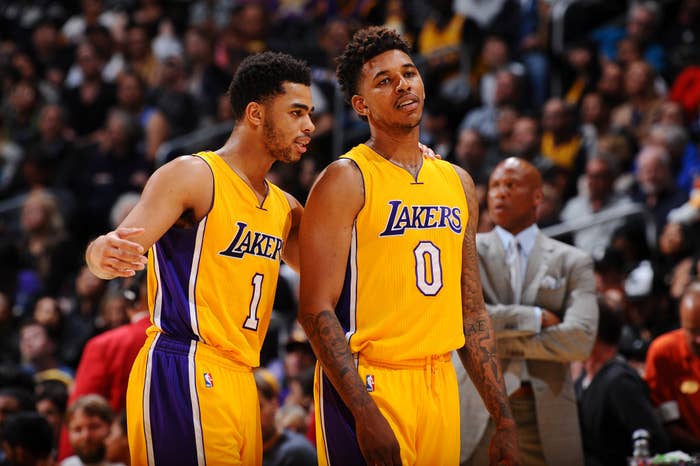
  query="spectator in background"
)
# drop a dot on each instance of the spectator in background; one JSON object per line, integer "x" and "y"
{"x": 673, "y": 374}
{"x": 139, "y": 55}
{"x": 67, "y": 331}
{"x": 685, "y": 161}
{"x": 26, "y": 440}
{"x": 107, "y": 358}
{"x": 471, "y": 153}
{"x": 38, "y": 351}
{"x": 654, "y": 186}
{"x": 583, "y": 67}
{"x": 611, "y": 84}
{"x": 51, "y": 402}
{"x": 21, "y": 112}
{"x": 598, "y": 197}
{"x": 88, "y": 420}
{"x": 595, "y": 121}
{"x": 45, "y": 255}
{"x": 280, "y": 446}
{"x": 642, "y": 102}
{"x": 14, "y": 399}
{"x": 206, "y": 81}
{"x": 9, "y": 336}
{"x": 117, "y": 443}
{"x": 89, "y": 102}
{"x": 484, "y": 119}
{"x": 643, "y": 21}
{"x": 613, "y": 400}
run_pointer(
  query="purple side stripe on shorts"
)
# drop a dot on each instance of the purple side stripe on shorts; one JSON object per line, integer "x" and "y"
{"x": 172, "y": 428}
{"x": 338, "y": 428}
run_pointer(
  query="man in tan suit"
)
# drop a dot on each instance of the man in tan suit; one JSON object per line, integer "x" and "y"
{"x": 540, "y": 294}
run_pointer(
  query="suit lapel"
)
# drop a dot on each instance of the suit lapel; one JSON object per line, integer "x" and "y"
{"x": 536, "y": 268}
{"x": 494, "y": 267}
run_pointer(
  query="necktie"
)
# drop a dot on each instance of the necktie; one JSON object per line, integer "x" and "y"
{"x": 514, "y": 266}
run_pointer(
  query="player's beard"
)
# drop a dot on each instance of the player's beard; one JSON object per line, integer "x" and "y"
{"x": 275, "y": 145}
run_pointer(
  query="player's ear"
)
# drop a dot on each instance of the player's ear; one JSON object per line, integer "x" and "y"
{"x": 359, "y": 105}
{"x": 254, "y": 113}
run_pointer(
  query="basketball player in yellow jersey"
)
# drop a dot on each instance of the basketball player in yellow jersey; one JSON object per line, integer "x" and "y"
{"x": 216, "y": 230}
{"x": 390, "y": 282}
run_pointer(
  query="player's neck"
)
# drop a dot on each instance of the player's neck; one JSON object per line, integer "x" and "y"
{"x": 245, "y": 155}
{"x": 402, "y": 150}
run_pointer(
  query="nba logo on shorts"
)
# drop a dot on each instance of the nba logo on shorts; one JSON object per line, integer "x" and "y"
{"x": 369, "y": 383}
{"x": 208, "y": 380}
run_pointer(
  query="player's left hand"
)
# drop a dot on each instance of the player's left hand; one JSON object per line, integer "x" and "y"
{"x": 504, "y": 447}
{"x": 428, "y": 152}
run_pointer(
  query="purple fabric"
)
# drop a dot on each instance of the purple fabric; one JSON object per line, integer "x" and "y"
{"x": 172, "y": 427}
{"x": 338, "y": 428}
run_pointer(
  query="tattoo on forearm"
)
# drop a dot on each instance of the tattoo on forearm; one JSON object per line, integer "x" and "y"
{"x": 479, "y": 352}
{"x": 328, "y": 341}
{"x": 480, "y": 326}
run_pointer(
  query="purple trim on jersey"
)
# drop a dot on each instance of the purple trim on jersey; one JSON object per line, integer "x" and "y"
{"x": 175, "y": 253}
{"x": 172, "y": 428}
{"x": 342, "y": 309}
{"x": 338, "y": 428}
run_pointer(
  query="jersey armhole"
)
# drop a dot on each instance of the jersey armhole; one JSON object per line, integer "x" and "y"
{"x": 213, "y": 183}
{"x": 364, "y": 186}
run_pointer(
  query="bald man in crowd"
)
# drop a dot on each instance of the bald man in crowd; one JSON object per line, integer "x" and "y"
{"x": 673, "y": 374}
{"x": 540, "y": 294}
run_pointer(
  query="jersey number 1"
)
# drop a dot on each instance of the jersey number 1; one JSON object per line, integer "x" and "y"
{"x": 252, "y": 321}
{"x": 428, "y": 268}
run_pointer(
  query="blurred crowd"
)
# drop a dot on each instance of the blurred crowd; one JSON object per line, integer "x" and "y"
{"x": 603, "y": 97}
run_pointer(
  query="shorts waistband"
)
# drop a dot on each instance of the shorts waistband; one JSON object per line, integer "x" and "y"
{"x": 206, "y": 352}
{"x": 419, "y": 363}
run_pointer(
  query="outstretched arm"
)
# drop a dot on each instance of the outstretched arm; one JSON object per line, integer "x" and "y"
{"x": 478, "y": 354}
{"x": 325, "y": 236}
{"x": 184, "y": 184}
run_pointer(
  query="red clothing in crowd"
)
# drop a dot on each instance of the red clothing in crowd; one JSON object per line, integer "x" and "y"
{"x": 673, "y": 375}
{"x": 104, "y": 367}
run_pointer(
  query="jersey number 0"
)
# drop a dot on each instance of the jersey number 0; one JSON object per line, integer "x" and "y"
{"x": 428, "y": 268}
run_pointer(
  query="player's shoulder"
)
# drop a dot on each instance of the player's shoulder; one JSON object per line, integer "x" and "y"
{"x": 186, "y": 165}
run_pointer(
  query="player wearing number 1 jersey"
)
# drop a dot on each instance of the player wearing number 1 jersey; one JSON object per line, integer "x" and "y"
{"x": 390, "y": 283}
{"x": 216, "y": 230}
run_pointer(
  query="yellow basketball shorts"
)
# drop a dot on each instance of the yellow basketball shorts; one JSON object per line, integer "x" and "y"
{"x": 189, "y": 405}
{"x": 419, "y": 399}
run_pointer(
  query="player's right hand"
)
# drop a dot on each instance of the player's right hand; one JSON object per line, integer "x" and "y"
{"x": 377, "y": 441}
{"x": 113, "y": 255}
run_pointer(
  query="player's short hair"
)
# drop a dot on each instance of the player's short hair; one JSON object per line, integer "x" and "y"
{"x": 365, "y": 44}
{"x": 261, "y": 76}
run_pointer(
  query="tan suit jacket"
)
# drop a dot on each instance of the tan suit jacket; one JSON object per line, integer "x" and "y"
{"x": 559, "y": 278}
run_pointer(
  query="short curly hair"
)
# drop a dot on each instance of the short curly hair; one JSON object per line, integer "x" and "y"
{"x": 261, "y": 76}
{"x": 365, "y": 44}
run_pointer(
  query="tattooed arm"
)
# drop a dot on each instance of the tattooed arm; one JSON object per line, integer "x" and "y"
{"x": 478, "y": 355}
{"x": 325, "y": 235}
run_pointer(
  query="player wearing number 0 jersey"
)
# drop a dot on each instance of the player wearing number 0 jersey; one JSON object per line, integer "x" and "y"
{"x": 401, "y": 308}
{"x": 413, "y": 228}
{"x": 390, "y": 284}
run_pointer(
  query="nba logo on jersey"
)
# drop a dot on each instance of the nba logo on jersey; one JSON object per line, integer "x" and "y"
{"x": 369, "y": 383}
{"x": 208, "y": 380}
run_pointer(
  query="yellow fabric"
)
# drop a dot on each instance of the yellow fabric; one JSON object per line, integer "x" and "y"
{"x": 575, "y": 92}
{"x": 406, "y": 261}
{"x": 232, "y": 296}
{"x": 421, "y": 405}
{"x": 431, "y": 39}
{"x": 563, "y": 155}
{"x": 228, "y": 410}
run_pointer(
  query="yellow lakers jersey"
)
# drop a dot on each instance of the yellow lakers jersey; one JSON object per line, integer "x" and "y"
{"x": 402, "y": 294}
{"x": 215, "y": 282}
